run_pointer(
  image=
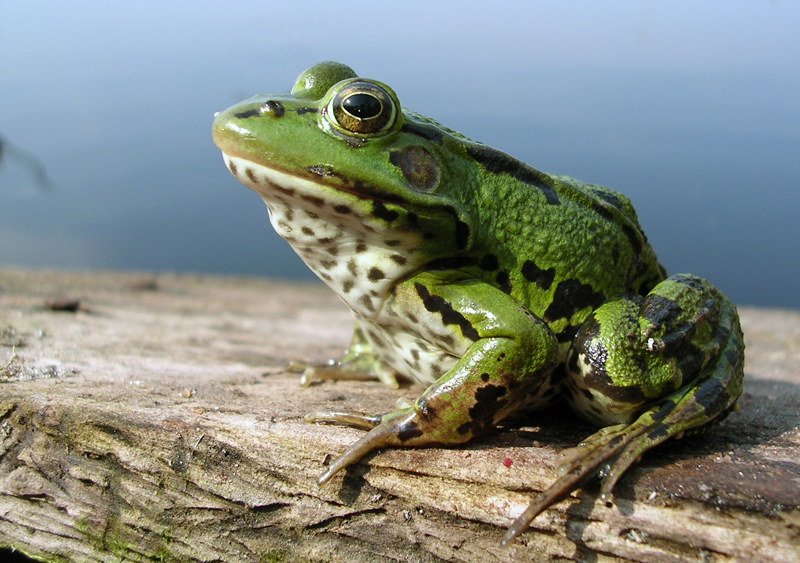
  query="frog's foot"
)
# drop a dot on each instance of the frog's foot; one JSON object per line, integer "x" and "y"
{"x": 384, "y": 430}
{"x": 611, "y": 451}
{"x": 358, "y": 363}
{"x": 339, "y": 369}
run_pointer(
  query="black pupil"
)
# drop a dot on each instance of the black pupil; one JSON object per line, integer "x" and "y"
{"x": 362, "y": 106}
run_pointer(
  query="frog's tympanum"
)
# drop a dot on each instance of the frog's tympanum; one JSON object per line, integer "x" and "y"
{"x": 496, "y": 286}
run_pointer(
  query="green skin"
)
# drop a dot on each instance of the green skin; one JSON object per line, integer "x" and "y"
{"x": 496, "y": 286}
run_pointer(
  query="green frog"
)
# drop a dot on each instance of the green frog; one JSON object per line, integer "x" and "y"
{"x": 497, "y": 287}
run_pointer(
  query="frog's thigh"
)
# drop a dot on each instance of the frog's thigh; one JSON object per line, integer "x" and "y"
{"x": 634, "y": 352}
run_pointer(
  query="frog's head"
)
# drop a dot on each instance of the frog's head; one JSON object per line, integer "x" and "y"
{"x": 345, "y": 171}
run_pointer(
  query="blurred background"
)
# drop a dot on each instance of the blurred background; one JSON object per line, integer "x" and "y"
{"x": 692, "y": 109}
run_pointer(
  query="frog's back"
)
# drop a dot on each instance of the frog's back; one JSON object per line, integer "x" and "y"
{"x": 562, "y": 246}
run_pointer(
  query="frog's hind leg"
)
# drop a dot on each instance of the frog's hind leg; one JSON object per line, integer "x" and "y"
{"x": 682, "y": 353}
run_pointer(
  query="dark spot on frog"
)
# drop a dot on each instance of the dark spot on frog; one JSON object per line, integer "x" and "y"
{"x": 248, "y": 113}
{"x": 415, "y": 353}
{"x": 361, "y": 246}
{"x": 568, "y": 334}
{"x": 380, "y": 211}
{"x": 572, "y": 361}
{"x": 347, "y": 286}
{"x": 418, "y": 166}
{"x": 488, "y": 263}
{"x": 462, "y": 229}
{"x": 397, "y": 259}
{"x": 332, "y": 250}
{"x": 635, "y": 237}
{"x": 437, "y": 304}
{"x": 588, "y": 395}
{"x": 367, "y": 303}
{"x": 325, "y": 276}
{"x": 286, "y": 191}
{"x": 712, "y": 396}
{"x": 327, "y": 264}
{"x": 446, "y": 339}
{"x": 375, "y": 274}
{"x": 411, "y": 317}
{"x": 250, "y": 175}
{"x": 663, "y": 411}
{"x": 734, "y": 357}
{"x": 503, "y": 282}
{"x": 488, "y": 402}
{"x": 343, "y": 209}
{"x": 598, "y": 380}
{"x": 498, "y": 162}
{"x": 425, "y": 131}
{"x": 314, "y": 200}
{"x": 409, "y": 431}
{"x": 484, "y": 377}
{"x": 535, "y": 274}
{"x": 305, "y": 110}
{"x": 352, "y": 267}
{"x": 501, "y": 356}
{"x": 307, "y": 231}
{"x": 570, "y": 297}
{"x": 392, "y": 242}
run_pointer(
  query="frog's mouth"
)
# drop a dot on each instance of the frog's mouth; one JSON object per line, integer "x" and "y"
{"x": 338, "y": 213}
{"x": 266, "y": 180}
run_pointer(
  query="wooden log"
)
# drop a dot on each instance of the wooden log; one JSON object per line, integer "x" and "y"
{"x": 152, "y": 420}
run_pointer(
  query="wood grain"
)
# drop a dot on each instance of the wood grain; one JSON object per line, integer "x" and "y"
{"x": 152, "y": 421}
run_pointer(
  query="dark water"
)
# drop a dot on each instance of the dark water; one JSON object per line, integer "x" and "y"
{"x": 690, "y": 109}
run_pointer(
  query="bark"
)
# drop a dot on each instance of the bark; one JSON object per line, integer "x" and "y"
{"x": 149, "y": 418}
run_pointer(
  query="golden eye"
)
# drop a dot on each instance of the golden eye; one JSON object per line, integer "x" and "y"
{"x": 363, "y": 108}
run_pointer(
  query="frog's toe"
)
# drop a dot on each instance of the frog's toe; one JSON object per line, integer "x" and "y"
{"x": 338, "y": 370}
{"x": 386, "y": 433}
{"x": 578, "y": 463}
{"x": 611, "y": 451}
{"x": 356, "y": 420}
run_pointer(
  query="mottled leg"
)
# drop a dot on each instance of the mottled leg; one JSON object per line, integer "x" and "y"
{"x": 660, "y": 367}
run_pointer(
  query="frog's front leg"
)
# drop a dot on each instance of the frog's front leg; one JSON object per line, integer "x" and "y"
{"x": 653, "y": 368}
{"x": 359, "y": 362}
{"x": 509, "y": 357}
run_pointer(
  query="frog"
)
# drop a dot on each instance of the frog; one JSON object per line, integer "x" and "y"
{"x": 500, "y": 289}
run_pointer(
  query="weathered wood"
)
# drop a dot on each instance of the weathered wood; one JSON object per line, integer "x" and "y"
{"x": 155, "y": 423}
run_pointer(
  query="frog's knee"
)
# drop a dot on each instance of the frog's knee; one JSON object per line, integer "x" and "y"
{"x": 603, "y": 381}
{"x": 633, "y": 351}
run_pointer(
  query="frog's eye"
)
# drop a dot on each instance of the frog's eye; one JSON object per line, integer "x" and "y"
{"x": 362, "y": 108}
